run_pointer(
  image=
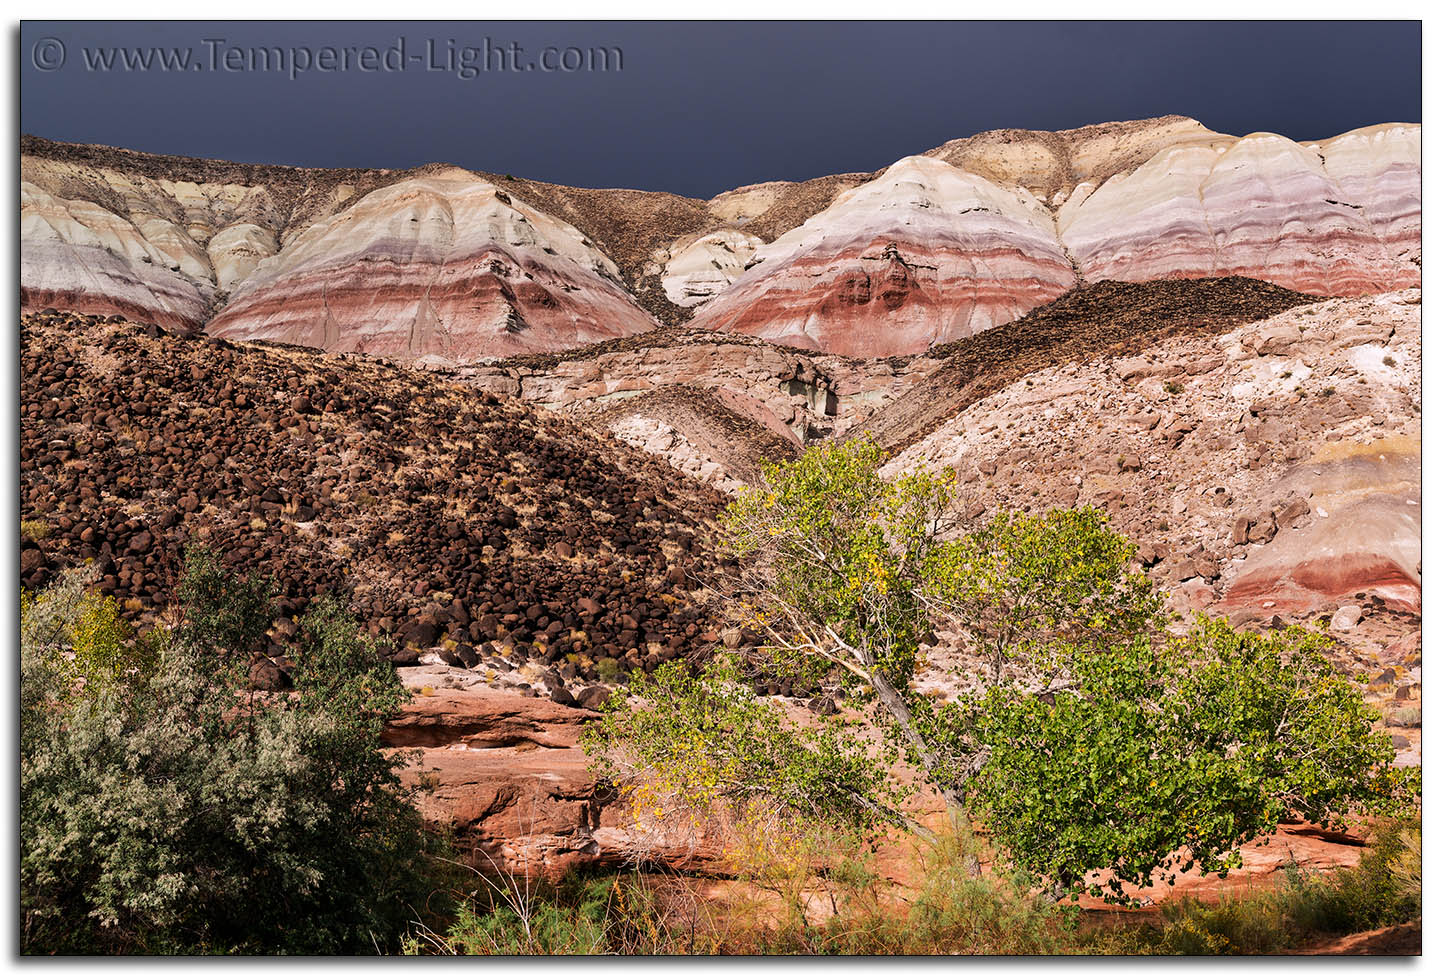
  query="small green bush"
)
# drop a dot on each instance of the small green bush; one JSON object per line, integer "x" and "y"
{"x": 164, "y": 808}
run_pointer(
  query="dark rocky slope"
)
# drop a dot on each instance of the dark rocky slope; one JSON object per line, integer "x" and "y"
{"x": 453, "y": 518}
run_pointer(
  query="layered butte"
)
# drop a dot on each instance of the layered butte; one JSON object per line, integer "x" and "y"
{"x": 1337, "y": 218}
{"x": 941, "y": 247}
{"x": 447, "y": 267}
{"x": 924, "y": 254}
{"x": 80, "y": 256}
{"x": 443, "y": 264}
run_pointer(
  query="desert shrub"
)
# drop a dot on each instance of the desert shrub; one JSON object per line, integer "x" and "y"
{"x": 34, "y": 529}
{"x": 1383, "y": 889}
{"x": 166, "y": 809}
{"x": 699, "y": 740}
{"x": 1406, "y": 718}
{"x": 581, "y": 914}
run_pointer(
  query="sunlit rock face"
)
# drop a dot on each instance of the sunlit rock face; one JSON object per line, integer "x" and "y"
{"x": 78, "y": 255}
{"x": 701, "y": 270}
{"x": 1336, "y": 218}
{"x": 445, "y": 267}
{"x": 448, "y": 266}
{"x": 984, "y": 229}
{"x": 1379, "y": 168}
{"x": 237, "y": 250}
{"x": 924, "y": 254}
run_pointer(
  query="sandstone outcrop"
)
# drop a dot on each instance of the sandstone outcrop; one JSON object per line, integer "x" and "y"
{"x": 781, "y": 388}
{"x": 78, "y": 255}
{"x": 1114, "y": 320}
{"x": 508, "y": 778}
{"x": 699, "y": 434}
{"x": 160, "y": 238}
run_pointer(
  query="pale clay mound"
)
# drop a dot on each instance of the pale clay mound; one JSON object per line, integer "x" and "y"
{"x": 449, "y": 266}
{"x": 932, "y": 249}
{"x": 928, "y": 253}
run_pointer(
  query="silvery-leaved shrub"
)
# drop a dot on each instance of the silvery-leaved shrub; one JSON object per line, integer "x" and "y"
{"x": 166, "y": 807}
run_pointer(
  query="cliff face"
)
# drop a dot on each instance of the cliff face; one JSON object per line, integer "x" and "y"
{"x": 447, "y": 265}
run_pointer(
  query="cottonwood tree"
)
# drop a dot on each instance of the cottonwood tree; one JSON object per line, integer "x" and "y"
{"x": 1088, "y": 737}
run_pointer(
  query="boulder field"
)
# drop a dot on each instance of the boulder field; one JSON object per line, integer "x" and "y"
{"x": 451, "y": 266}
{"x": 456, "y": 523}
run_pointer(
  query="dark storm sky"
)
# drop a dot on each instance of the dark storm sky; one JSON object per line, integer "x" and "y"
{"x": 699, "y": 108}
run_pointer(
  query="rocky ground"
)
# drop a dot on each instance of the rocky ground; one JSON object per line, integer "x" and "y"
{"x": 799, "y": 397}
{"x": 1093, "y": 323}
{"x": 460, "y": 524}
{"x": 1269, "y": 472}
{"x": 1262, "y": 447}
{"x": 698, "y": 434}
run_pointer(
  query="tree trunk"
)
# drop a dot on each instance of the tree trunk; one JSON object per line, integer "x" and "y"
{"x": 893, "y": 701}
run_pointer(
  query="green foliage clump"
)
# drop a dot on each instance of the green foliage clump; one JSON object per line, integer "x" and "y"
{"x": 85, "y": 639}
{"x": 518, "y": 917}
{"x": 1023, "y": 589}
{"x": 706, "y": 739}
{"x": 1193, "y": 746}
{"x": 167, "y": 809}
{"x": 847, "y": 550}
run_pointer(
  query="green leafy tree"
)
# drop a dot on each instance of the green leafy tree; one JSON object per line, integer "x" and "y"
{"x": 835, "y": 572}
{"x": 168, "y": 809}
{"x": 1092, "y": 741}
{"x": 1168, "y": 757}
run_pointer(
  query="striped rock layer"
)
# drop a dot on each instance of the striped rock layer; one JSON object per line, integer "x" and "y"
{"x": 924, "y": 254}
{"x": 930, "y": 252}
{"x": 448, "y": 267}
{"x": 443, "y": 264}
{"x": 1339, "y": 218}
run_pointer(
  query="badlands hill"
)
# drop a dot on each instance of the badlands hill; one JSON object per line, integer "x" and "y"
{"x": 446, "y": 265}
